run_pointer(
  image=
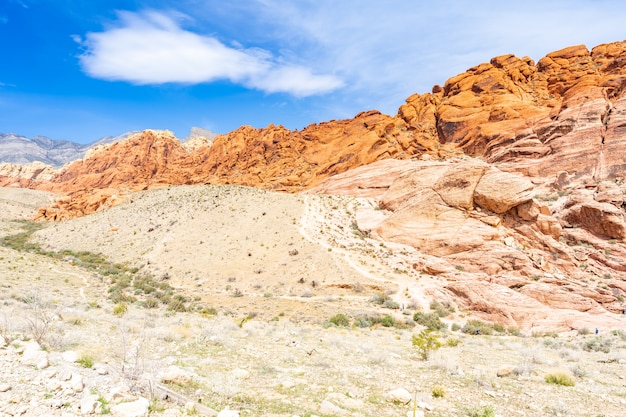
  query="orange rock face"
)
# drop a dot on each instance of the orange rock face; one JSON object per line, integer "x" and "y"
{"x": 513, "y": 169}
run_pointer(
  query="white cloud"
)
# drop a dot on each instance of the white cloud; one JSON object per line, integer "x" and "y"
{"x": 388, "y": 50}
{"x": 151, "y": 48}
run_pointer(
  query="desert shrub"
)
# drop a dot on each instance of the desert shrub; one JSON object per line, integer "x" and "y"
{"x": 404, "y": 324}
{"x": 430, "y": 320}
{"x": 85, "y": 361}
{"x": 208, "y": 311}
{"x": 452, "y": 342}
{"x": 151, "y": 302}
{"x": 426, "y": 342}
{"x": 456, "y": 327}
{"x": 120, "y": 309}
{"x": 339, "y": 320}
{"x": 380, "y": 298}
{"x": 578, "y": 371}
{"x": 391, "y": 304}
{"x": 362, "y": 322}
{"x": 438, "y": 391}
{"x": 477, "y": 327}
{"x": 484, "y": 411}
{"x": 619, "y": 333}
{"x": 597, "y": 344}
{"x": 560, "y": 378}
{"x": 513, "y": 331}
{"x": 177, "y": 305}
{"x": 584, "y": 331}
{"x": 387, "y": 321}
{"x": 440, "y": 309}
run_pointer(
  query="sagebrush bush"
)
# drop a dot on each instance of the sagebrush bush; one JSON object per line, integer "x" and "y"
{"x": 560, "y": 378}
{"x": 597, "y": 344}
{"x": 340, "y": 320}
{"x": 430, "y": 320}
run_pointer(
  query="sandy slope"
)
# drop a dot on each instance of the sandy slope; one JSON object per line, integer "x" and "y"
{"x": 273, "y": 364}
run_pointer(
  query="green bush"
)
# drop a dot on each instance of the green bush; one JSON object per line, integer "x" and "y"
{"x": 430, "y": 320}
{"x": 120, "y": 309}
{"x": 380, "y": 298}
{"x": 485, "y": 411}
{"x": 426, "y": 342}
{"x": 560, "y": 379}
{"x": 480, "y": 327}
{"x": 440, "y": 309}
{"x": 363, "y": 322}
{"x": 438, "y": 391}
{"x": 387, "y": 321}
{"x": 85, "y": 361}
{"x": 339, "y": 320}
{"x": 597, "y": 344}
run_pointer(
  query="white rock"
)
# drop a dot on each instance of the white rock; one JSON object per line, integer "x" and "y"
{"x": 176, "y": 375}
{"x": 425, "y": 406}
{"x": 138, "y": 408}
{"x": 101, "y": 369}
{"x": 34, "y": 356}
{"x": 88, "y": 404}
{"x": 76, "y": 383}
{"x": 399, "y": 395}
{"x": 70, "y": 356}
{"x": 329, "y": 408}
{"x": 240, "y": 373}
{"x": 288, "y": 384}
{"x": 228, "y": 413}
{"x": 4, "y": 387}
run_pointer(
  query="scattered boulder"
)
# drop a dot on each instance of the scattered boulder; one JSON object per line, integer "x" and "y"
{"x": 399, "y": 395}
{"x": 137, "y": 408}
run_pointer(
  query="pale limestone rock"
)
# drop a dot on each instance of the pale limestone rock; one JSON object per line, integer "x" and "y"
{"x": 329, "y": 408}
{"x": 228, "y": 413}
{"x": 34, "y": 356}
{"x": 399, "y": 395}
{"x": 70, "y": 356}
{"x": 77, "y": 383}
{"x": 176, "y": 375}
{"x": 88, "y": 404}
{"x": 4, "y": 387}
{"x": 137, "y": 408}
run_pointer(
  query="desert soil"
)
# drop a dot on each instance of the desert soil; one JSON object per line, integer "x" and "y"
{"x": 273, "y": 268}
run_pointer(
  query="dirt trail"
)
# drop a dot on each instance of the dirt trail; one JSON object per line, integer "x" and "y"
{"x": 335, "y": 217}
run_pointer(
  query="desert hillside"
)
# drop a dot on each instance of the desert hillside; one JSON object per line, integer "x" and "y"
{"x": 500, "y": 192}
{"x": 298, "y": 312}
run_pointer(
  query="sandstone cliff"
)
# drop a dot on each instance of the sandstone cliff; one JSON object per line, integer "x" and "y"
{"x": 512, "y": 170}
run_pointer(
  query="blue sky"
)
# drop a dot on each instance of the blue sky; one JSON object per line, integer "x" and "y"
{"x": 79, "y": 70}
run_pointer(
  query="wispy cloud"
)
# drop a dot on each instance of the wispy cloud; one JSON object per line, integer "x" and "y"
{"x": 388, "y": 50}
{"x": 151, "y": 48}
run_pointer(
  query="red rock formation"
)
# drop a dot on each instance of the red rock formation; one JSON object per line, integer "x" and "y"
{"x": 560, "y": 123}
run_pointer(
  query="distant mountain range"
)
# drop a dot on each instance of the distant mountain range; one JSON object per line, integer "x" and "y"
{"x": 18, "y": 149}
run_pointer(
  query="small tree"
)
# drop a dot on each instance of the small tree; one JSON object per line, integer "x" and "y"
{"x": 426, "y": 342}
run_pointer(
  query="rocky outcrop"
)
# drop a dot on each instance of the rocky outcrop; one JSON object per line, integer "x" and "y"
{"x": 13, "y": 175}
{"x": 504, "y": 255}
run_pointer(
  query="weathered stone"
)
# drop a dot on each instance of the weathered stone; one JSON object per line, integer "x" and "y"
{"x": 88, "y": 404}
{"x": 137, "y": 408}
{"x": 500, "y": 191}
{"x": 329, "y": 408}
{"x": 399, "y": 395}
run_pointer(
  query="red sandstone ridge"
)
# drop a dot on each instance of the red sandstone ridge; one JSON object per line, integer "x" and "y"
{"x": 512, "y": 171}
{"x": 566, "y": 113}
